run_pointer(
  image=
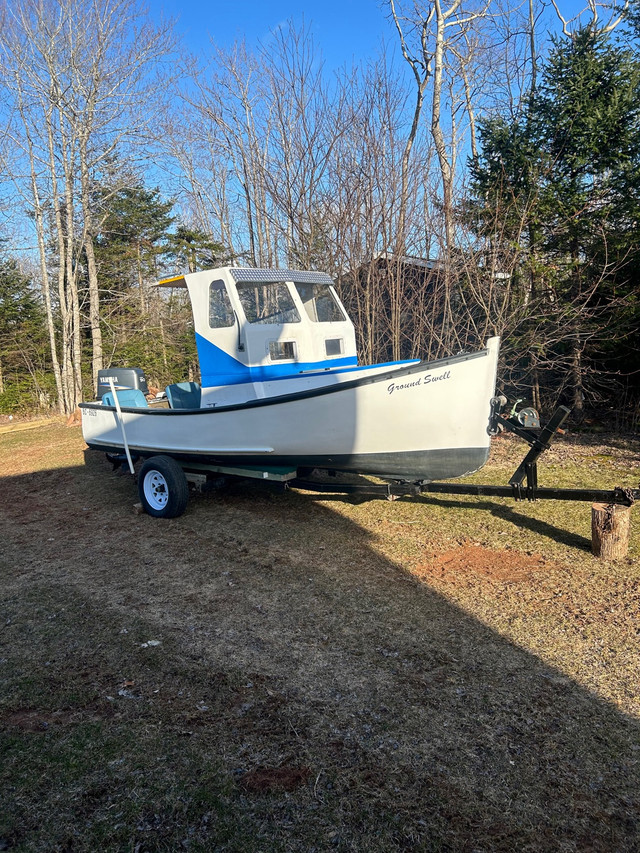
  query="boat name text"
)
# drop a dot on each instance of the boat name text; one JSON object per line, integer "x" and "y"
{"x": 422, "y": 380}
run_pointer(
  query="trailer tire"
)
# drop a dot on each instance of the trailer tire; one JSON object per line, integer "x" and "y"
{"x": 163, "y": 487}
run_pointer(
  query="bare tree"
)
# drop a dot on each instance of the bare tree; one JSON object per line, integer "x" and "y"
{"x": 263, "y": 126}
{"x": 444, "y": 46}
{"x": 377, "y": 192}
{"x": 442, "y": 42}
{"x": 288, "y": 167}
{"x": 76, "y": 72}
{"x": 591, "y": 12}
{"x": 230, "y": 131}
{"x": 308, "y": 122}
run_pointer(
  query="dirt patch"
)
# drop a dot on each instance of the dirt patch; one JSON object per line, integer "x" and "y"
{"x": 37, "y": 721}
{"x": 26, "y": 721}
{"x": 263, "y": 780}
{"x": 458, "y": 566}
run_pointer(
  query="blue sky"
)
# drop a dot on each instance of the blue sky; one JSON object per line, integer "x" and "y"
{"x": 344, "y": 30}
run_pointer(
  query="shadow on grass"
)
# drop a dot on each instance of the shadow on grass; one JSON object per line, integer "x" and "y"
{"x": 506, "y": 513}
{"x": 519, "y": 519}
{"x": 301, "y": 691}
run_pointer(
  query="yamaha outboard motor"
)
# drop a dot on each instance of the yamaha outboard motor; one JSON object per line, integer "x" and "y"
{"x": 123, "y": 377}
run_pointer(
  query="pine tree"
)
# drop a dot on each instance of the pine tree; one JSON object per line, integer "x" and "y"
{"x": 556, "y": 193}
{"x": 588, "y": 109}
{"x": 23, "y": 362}
{"x": 193, "y": 249}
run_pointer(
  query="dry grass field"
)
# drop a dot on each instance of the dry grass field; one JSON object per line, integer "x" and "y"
{"x": 295, "y": 672}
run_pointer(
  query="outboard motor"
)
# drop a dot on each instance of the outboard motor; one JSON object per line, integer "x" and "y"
{"x": 123, "y": 377}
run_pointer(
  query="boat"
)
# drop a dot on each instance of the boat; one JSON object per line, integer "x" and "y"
{"x": 282, "y": 388}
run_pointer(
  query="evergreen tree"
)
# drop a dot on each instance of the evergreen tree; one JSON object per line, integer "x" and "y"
{"x": 193, "y": 249}
{"x": 25, "y": 380}
{"x": 563, "y": 182}
{"x": 588, "y": 112}
{"x": 136, "y": 246}
{"x": 133, "y": 237}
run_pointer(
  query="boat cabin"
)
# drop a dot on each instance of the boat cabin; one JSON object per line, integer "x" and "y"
{"x": 257, "y": 327}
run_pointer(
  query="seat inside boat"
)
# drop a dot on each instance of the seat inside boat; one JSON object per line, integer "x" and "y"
{"x": 131, "y": 397}
{"x": 184, "y": 395}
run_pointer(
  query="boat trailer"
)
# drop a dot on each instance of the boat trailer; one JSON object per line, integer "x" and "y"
{"x": 523, "y": 485}
{"x": 163, "y": 480}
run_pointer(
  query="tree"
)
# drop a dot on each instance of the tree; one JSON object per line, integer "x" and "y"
{"x": 22, "y": 340}
{"x": 75, "y": 73}
{"x": 193, "y": 248}
{"x": 129, "y": 249}
{"x": 137, "y": 244}
{"x": 564, "y": 181}
{"x": 588, "y": 110}
{"x": 132, "y": 235}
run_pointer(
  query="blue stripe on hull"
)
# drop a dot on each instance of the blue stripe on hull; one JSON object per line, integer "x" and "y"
{"x": 217, "y": 367}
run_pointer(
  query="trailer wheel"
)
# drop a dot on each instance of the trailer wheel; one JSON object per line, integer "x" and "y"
{"x": 162, "y": 487}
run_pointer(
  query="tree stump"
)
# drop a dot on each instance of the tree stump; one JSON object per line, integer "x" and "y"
{"x": 610, "y": 525}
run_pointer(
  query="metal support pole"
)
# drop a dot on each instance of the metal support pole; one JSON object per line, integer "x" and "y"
{"x": 121, "y": 420}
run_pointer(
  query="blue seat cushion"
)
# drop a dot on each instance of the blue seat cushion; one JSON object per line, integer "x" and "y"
{"x": 131, "y": 397}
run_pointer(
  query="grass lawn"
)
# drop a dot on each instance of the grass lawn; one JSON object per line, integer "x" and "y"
{"x": 302, "y": 672}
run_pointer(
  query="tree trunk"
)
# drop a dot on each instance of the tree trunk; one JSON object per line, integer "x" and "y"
{"x": 97, "y": 360}
{"x": 610, "y": 526}
{"x": 46, "y": 296}
{"x": 438, "y": 135}
{"x": 535, "y": 390}
{"x": 577, "y": 385}
{"x": 141, "y": 294}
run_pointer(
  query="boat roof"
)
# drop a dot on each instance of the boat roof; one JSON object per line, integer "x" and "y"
{"x": 250, "y": 274}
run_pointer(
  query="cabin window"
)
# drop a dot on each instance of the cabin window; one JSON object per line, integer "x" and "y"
{"x": 282, "y": 350}
{"x": 269, "y": 303}
{"x": 220, "y": 311}
{"x": 334, "y": 346}
{"x": 320, "y": 303}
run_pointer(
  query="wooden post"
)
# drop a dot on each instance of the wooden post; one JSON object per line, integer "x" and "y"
{"x": 610, "y": 525}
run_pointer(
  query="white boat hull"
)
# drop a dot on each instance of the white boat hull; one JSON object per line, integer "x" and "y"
{"x": 425, "y": 421}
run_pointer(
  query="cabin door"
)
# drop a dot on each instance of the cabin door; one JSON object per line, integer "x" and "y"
{"x": 221, "y": 347}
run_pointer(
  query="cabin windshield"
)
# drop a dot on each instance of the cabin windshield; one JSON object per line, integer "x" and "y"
{"x": 319, "y": 303}
{"x": 267, "y": 303}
